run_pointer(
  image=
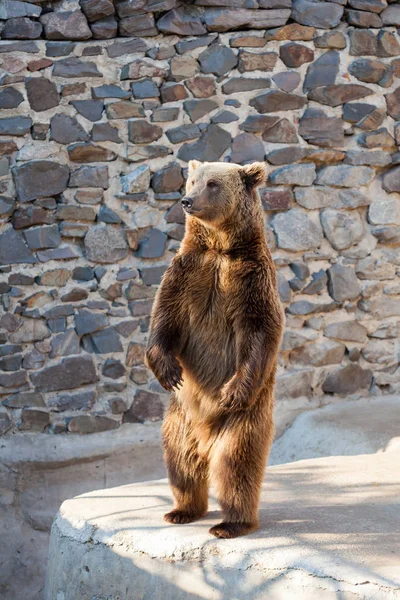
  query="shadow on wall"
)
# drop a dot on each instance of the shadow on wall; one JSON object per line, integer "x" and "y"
{"x": 321, "y": 545}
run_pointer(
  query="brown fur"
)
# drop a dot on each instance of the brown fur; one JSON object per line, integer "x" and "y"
{"x": 215, "y": 333}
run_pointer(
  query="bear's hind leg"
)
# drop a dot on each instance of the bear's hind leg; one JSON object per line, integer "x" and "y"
{"x": 237, "y": 470}
{"x": 187, "y": 470}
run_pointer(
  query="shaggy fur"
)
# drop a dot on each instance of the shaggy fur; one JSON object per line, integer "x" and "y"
{"x": 215, "y": 333}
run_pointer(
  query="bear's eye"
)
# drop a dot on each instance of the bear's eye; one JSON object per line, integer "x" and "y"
{"x": 212, "y": 184}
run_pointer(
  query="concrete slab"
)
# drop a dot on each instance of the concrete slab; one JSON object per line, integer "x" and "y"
{"x": 330, "y": 529}
{"x": 39, "y": 471}
{"x": 363, "y": 426}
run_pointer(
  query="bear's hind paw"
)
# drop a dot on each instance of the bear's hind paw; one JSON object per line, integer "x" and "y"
{"x": 228, "y": 530}
{"x": 181, "y": 517}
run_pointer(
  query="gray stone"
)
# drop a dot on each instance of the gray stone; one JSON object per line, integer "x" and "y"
{"x": 303, "y": 175}
{"x": 15, "y": 125}
{"x": 283, "y": 132}
{"x": 13, "y": 9}
{"x": 87, "y": 321}
{"x": 370, "y": 159}
{"x": 87, "y": 152}
{"x": 324, "y": 15}
{"x": 90, "y": 177}
{"x": 137, "y": 181}
{"x": 140, "y": 153}
{"x": 145, "y": 88}
{"x": 66, "y": 130}
{"x": 153, "y": 246}
{"x": 360, "y": 18}
{"x": 120, "y": 48}
{"x": 318, "y": 354}
{"x": 276, "y": 101}
{"x": 342, "y": 229}
{"x": 105, "y": 132}
{"x": 380, "y": 138}
{"x": 388, "y": 44}
{"x": 168, "y": 179}
{"x": 143, "y": 67}
{"x": 40, "y": 178}
{"x": 29, "y": 47}
{"x": 124, "y": 110}
{"x": 287, "y": 81}
{"x": 10, "y": 98}
{"x": 31, "y": 330}
{"x": 86, "y": 424}
{"x": 25, "y": 399}
{"x": 69, "y": 373}
{"x": 74, "y": 67}
{"x": 66, "y": 25}
{"x": 372, "y": 268}
{"x": 225, "y": 19}
{"x": 256, "y": 61}
{"x": 59, "y": 48}
{"x": 47, "y": 236}
{"x": 75, "y": 401}
{"x": 391, "y": 180}
{"x": 183, "y": 133}
{"x": 65, "y": 344}
{"x": 5, "y": 422}
{"x": 345, "y": 176}
{"x": 368, "y": 70}
{"x": 105, "y": 244}
{"x": 305, "y": 307}
{"x": 97, "y": 9}
{"x": 296, "y": 232}
{"x": 103, "y": 342}
{"x": 294, "y": 55}
{"x": 21, "y": 28}
{"x": 13, "y": 249}
{"x": 391, "y": 15}
{"x": 245, "y": 84}
{"x": 322, "y": 71}
{"x": 342, "y": 283}
{"x": 331, "y": 39}
{"x": 163, "y": 115}
{"x": 347, "y": 380}
{"x": 109, "y": 91}
{"x": 146, "y": 406}
{"x": 247, "y": 148}
{"x": 324, "y": 197}
{"x": 334, "y": 95}
{"x": 218, "y": 60}
{"x": 142, "y": 25}
{"x": 349, "y": 331}
{"x": 33, "y": 420}
{"x": 90, "y": 109}
{"x": 113, "y": 368}
{"x": 363, "y": 43}
{"x": 211, "y": 145}
{"x": 224, "y": 116}
{"x": 183, "y": 20}
{"x": 142, "y": 132}
{"x": 196, "y": 109}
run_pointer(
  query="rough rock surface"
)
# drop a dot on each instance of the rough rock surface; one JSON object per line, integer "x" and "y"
{"x": 356, "y": 511}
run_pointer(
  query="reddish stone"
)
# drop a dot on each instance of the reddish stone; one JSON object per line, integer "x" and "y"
{"x": 38, "y": 65}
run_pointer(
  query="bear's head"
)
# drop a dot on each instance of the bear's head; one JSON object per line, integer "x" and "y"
{"x": 216, "y": 191}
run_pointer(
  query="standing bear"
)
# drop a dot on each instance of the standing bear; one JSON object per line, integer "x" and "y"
{"x": 214, "y": 338}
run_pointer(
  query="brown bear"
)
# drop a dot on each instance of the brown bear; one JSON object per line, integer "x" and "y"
{"x": 214, "y": 338}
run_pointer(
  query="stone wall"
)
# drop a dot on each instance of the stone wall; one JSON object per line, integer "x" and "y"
{"x": 94, "y": 141}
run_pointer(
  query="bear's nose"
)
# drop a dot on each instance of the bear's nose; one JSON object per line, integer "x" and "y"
{"x": 187, "y": 202}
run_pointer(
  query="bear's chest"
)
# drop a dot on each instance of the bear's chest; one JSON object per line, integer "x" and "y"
{"x": 210, "y": 289}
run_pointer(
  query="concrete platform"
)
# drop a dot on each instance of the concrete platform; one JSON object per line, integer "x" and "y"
{"x": 364, "y": 426}
{"x": 330, "y": 530}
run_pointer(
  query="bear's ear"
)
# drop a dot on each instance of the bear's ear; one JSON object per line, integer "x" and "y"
{"x": 253, "y": 175}
{"x": 193, "y": 165}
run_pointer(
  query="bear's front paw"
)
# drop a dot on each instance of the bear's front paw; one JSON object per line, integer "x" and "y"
{"x": 165, "y": 367}
{"x": 234, "y": 395}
